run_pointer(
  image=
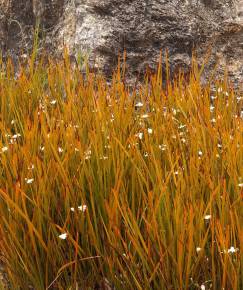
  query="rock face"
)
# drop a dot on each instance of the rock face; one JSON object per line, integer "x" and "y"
{"x": 102, "y": 29}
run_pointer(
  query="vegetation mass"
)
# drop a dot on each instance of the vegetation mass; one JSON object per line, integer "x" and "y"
{"x": 105, "y": 185}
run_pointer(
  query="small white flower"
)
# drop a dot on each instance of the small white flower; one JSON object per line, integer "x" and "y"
{"x": 240, "y": 185}
{"x": 16, "y": 136}
{"x": 150, "y": 131}
{"x": 200, "y": 153}
{"x": 42, "y": 148}
{"x": 76, "y": 149}
{"x": 238, "y": 99}
{"x": 198, "y": 249}
{"x": 213, "y": 120}
{"x": 4, "y": 149}
{"x": 53, "y": 102}
{"x": 220, "y": 89}
{"x": 103, "y": 157}
{"x": 212, "y": 108}
{"x": 232, "y": 250}
{"x": 139, "y": 135}
{"x": 139, "y": 104}
{"x": 207, "y": 217}
{"x": 87, "y": 154}
{"x": 181, "y": 126}
{"x": 82, "y": 208}
{"x": 63, "y": 236}
{"x": 12, "y": 122}
{"x": 29, "y": 180}
{"x": 72, "y": 209}
{"x": 112, "y": 117}
{"x": 203, "y": 287}
{"x": 162, "y": 147}
{"x": 144, "y": 116}
{"x": 31, "y": 167}
{"x": 146, "y": 154}
{"x": 174, "y": 111}
{"x": 60, "y": 150}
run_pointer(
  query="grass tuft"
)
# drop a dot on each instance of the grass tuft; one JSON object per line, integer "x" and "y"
{"x": 112, "y": 186}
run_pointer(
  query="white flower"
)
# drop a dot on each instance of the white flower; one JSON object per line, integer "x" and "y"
{"x": 29, "y": 180}
{"x": 181, "y": 126}
{"x": 112, "y": 117}
{"x": 220, "y": 89}
{"x": 42, "y": 148}
{"x": 63, "y": 236}
{"x": 200, "y": 153}
{"x": 60, "y": 150}
{"x": 16, "y": 136}
{"x": 203, "y": 287}
{"x": 87, "y": 154}
{"x": 139, "y": 135}
{"x": 82, "y": 208}
{"x": 207, "y": 217}
{"x": 76, "y": 149}
{"x": 162, "y": 147}
{"x": 139, "y": 104}
{"x": 144, "y": 116}
{"x": 212, "y": 108}
{"x": 198, "y": 249}
{"x": 53, "y": 102}
{"x": 103, "y": 157}
{"x": 232, "y": 250}
{"x": 174, "y": 111}
{"x": 238, "y": 99}
{"x": 240, "y": 185}
{"x": 31, "y": 167}
{"x": 4, "y": 149}
{"x": 72, "y": 209}
{"x": 150, "y": 131}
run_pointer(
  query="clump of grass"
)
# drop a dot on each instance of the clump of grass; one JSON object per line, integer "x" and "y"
{"x": 111, "y": 186}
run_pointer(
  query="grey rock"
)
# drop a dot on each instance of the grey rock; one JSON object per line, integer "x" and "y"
{"x": 103, "y": 29}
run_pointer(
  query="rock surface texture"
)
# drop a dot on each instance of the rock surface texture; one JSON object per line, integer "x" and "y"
{"x": 102, "y": 29}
